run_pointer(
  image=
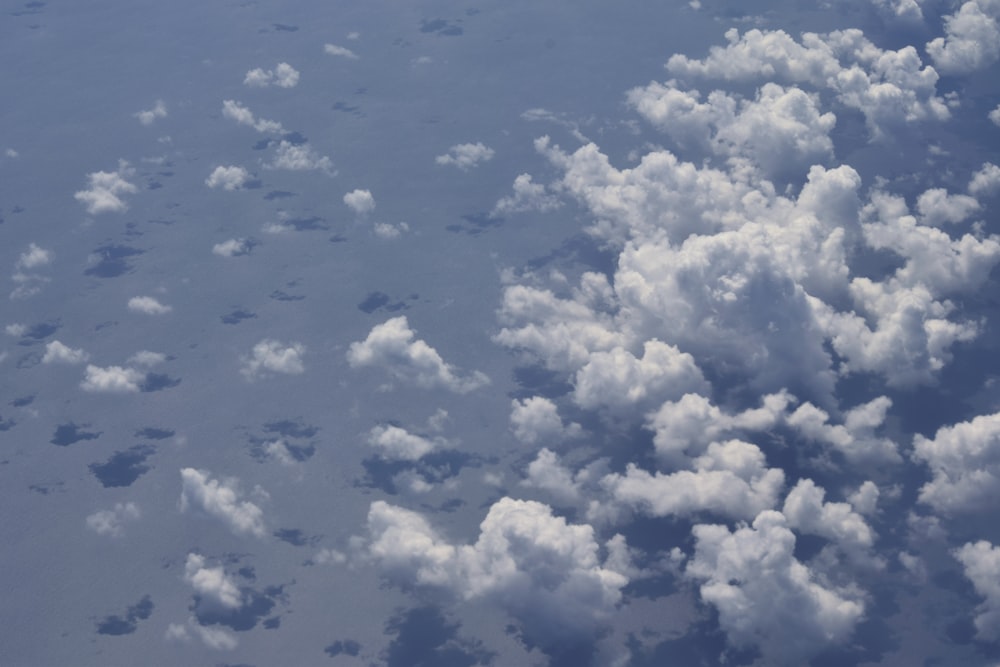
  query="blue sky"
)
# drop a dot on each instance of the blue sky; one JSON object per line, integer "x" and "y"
{"x": 458, "y": 334}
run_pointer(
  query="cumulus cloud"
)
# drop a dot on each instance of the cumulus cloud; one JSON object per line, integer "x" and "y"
{"x": 212, "y": 583}
{"x": 105, "y": 188}
{"x": 528, "y": 196}
{"x": 34, "y": 257}
{"x": 112, "y": 522}
{"x": 543, "y": 571}
{"x": 971, "y": 41}
{"x": 807, "y": 512}
{"x": 149, "y": 116}
{"x": 272, "y": 356}
{"x": 547, "y": 473}
{"x": 112, "y": 379}
{"x": 393, "y": 346}
{"x": 981, "y": 562}
{"x": 299, "y": 157}
{"x": 995, "y": 115}
{"x": 765, "y": 596}
{"x": 214, "y": 638}
{"x": 360, "y": 201}
{"x": 342, "y": 51}
{"x": 387, "y": 231}
{"x": 29, "y": 284}
{"x": 233, "y": 247}
{"x": 536, "y": 419}
{"x": 229, "y": 177}
{"x": 986, "y": 181}
{"x": 148, "y": 306}
{"x": 282, "y": 76}
{"x": 58, "y": 353}
{"x": 855, "y": 438}
{"x": 397, "y": 444}
{"x": 233, "y": 110}
{"x": 937, "y": 207}
{"x": 466, "y": 156}
{"x": 964, "y": 461}
{"x": 222, "y": 500}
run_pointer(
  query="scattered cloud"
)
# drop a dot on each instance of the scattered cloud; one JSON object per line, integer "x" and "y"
{"x": 341, "y": 51}
{"x": 233, "y": 247}
{"x": 385, "y": 230}
{"x": 964, "y": 461}
{"x": 536, "y": 419}
{"x": 282, "y": 76}
{"x": 397, "y": 444}
{"x": 149, "y": 116}
{"x": 971, "y": 41}
{"x": 981, "y": 561}
{"x": 221, "y": 499}
{"x": 360, "y": 201}
{"x": 148, "y": 306}
{"x": 986, "y": 181}
{"x": 211, "y": 582}
{"x": 233, "y": 110}
{"x": 528, "y": 196}
{"x": 58, "y": 353}
{"x": 299, "y": 157}
{"x": 466, "y": 156}
{"x": 271, "y": 356}
{"x": 111, "y": 523}
{"x": 112, "y": 380}
{"x": 228, "y": 177}
{"x": 105, "y": 189}
{"x": 34, "y": 257}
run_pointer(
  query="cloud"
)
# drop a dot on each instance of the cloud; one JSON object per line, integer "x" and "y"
{"x": 855, "y": 438}
{"x": 233, "y": 247}
{"x": 149, "y": 116}
{"x": 397, "y": 444}
{"x": 964, "y": 461}
{"x": 986, "y": 181}
{"x": 807, "y": 512}
{"x": 995, "y": 115}
{"x": 466, "y": 156}
{"x": 57, "y": 353}
{"x": 272, "y": 356}
{"x": 148, "y": 305}
{"x": 113, "y": 379}
{"x": 936, "y": 207}
{"x": 147, "y": 359}
{"x": 904, "y": 10}
{"x": 392, "y": 346}
{"x": 360, "y": 201}
{"x": 972, "y": 39}
{"x": 536, "y": 419}
{"x": 112, "y": 522}
{"x": 548, "y": 474}
{"x": 211, "y": 583}
{"x": 105, "y": 188}
{"x": 227, "y": 178}
{"x": 342, "y": 51}
{"x": 214, "y": 638}
{"x": 386, "y": 231}
{"x": 34, "y": 257}
{"x": 543, "y": 571}
{"x": 528, "y": 196}
{"x": 222, "y": 500}
{"x": 766, "y": 597}
{"x": 233, "y": 110}
{"x": 282, "y": 76}
{"x": 301, "y": 157}
{"x": 981, "y": 561}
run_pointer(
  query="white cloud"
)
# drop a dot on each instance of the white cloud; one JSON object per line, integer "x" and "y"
{"x": 105, "y": 189}
{"x": 548, "y": 474}
{"x": 765, "y": 596}
{"x": 972, "y": 39}
{"x": 807, "y": 512}
{"x": 300, "y": 157}
{"x": 283, "y": 76}
{"x": 528, "y": 196}
{"x": 855, "y": 438}
{"x": 466, "y": 156}
{"x": 387, "y": 231}
{"x": 11, "y": 153}
{"x": 149, "y": 116}
{"x": 16, "y": 330}
{"x": 232, "y": 248}
{"x": 34, "y": 257}
{"x": 233, "y": 110}
{"x": 113, "y": 379}
{"x": 214, "y": 638}
{"x": 904, "y": 10}
{"x": 57, "y": 353}
{"x": 536, "y": 419}
{"x": 937, "y": 207}
{"x": 222, "y": 500}
{"x": 397, "y": 444}
{"x": 147, "y": 359}
{"x": 543, "y": 571}
{"x": 360, "y": 201}
{"x": 112, "y": 522}
{"x": 212, "y": 583}
{"x": 995, "y": 115}
{"x": 981, "y": 561}
{"x": 272, "y": 356}
{"x": 392, "y": 345}
{"x": 986, "y": 181}
{"x": 148, "y": 305}
{"x": 964, "y": 460}
{"x": 230, "y": 177}
{"x": 342, "y": 51}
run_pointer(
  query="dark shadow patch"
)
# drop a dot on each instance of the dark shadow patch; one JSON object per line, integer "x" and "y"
{"x": 702, "y": 644}
{"x": 433, "y": 468}
{"x": 40, "y": 332}
{"x": 424, "y": 637}
{"x": 338, "y": 238}
{"x": 22, "y": 401}
{"x": 124, "y": 467}
{"x": 475, "y": 224}
{"x": 113, "y": 261}
{"x": 29, "y": 360}
{"x": 583, "y": 249}
{"x": 253, "y": 184}
{"x": 537, "y": 380}
{"x": 291, "y": 429}
{"x": 380, "y": 300}
{"x": 281, "y": 295}
{"x": 295, "y": 138}
{"x": 6, "y": 424}
{"x": 283, "y": 27}
{"x": 295, "y": 537}
{"x": 272, "y": 623}
{"x": 237, "y": 316}
{"x": 278, "y": 194}
{"x": 441, "y": 27}
{"x": 45, "y": 489}
{"x": 151, "y": 433}
{"x": 154, "y": 185}
{"x": 352, "y": 109}
{"x": 313, "y": 224}
{"x": 126, "y": 625}
{"x": 70, "y": 433}
{"x": 263, "y": 144}
{"x": 158, "y": 382}
{"x": 343, "y": 646}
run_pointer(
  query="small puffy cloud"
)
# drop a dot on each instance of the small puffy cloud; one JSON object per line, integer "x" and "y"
{"x": 528, "y": 196}
{"x": 855, "y": 438}
{"x": 271, "y": 356}
{"x": 986, "y": 181}
{"x": 548, "y": 474}
{"x": 112, "y": 522}
{"x": 971, "y": 41}
{"x": 233, "y": 110}
{"x": 58, "y": 353}
{"x": 342, "y": 51}
{"x": 211, "y": 582}
{"x": 34, "y": 257}
{"x": 300, "y": 157}
{"x": 766, "y": 597}
{"x": 981, "y": 561}
{"x": 387, "y": 231}
{"x": 105, "y": 189}
{"x": 360, "y": 201}
{"x": 232, "y": 247}
{"x": 214, "y": 638}
{"x": 807, "y": 512}
{"x": 222, "y": 500}
{"x": 964, "y": 460}
{"x": 466, "y": 156}
{"x": 397, "y": 444}
{"x": 227, "y": 177}
{"x": 113, "y": 379}
{"x": 995, "y": 115}
{"x": 149, "y": 116}
{"x": 536, "y": 419}
{"x": 16, "y": 330}
{"x": 147, "y": 359}
{"x": 148, "y": 305}
{"x": 393, "y": 346}
{"x": 283, "y": 76}
{"x": 904, "y": 10}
